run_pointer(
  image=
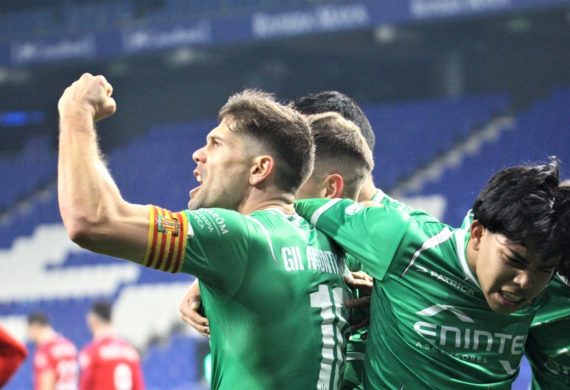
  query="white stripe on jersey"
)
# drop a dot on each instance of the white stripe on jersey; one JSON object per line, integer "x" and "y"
{"x": 378, "y": 196}
{"x": 315, "y": 217}
{"x": 431, "y": 242}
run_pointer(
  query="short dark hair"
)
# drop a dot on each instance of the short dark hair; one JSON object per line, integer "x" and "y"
{"x": 38, "y": 318}
{"x": 340, "y": 147}
{"x": 103, "y": 310}
{"x": 336, "y": 101}
{"x": 526, "y": 204}
{"x": 278, "y": 127}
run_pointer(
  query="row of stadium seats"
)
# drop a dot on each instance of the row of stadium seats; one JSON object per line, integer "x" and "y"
{"x": 23, "y": 173}
{"x": 423, "y": 129}
{"x": 542, "y": 131}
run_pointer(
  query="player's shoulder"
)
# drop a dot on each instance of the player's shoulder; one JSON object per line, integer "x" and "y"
{"x": 216, "y": 220}
{"x": 275, "y": 220}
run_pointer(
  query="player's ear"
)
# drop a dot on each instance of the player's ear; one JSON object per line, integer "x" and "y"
{"x": 333, "y": 186}
{"x": 476, "y": 233}
{"x": 261, "y": 169}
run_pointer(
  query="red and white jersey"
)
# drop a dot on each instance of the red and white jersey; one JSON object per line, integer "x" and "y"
{"x": 58, "y": 355}
{"x": 110, "y": 363}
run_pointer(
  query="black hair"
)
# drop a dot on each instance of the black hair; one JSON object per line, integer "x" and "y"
{"x": 526, "y": 204}
{"x": 38, "y": 318}
{"x": 103, "y": 310}
{"x": 338, "y": 102}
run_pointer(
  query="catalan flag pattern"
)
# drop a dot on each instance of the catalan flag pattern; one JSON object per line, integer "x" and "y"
{"x": 167, "y": 234}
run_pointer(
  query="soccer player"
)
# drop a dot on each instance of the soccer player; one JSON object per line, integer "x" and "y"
{"x": 335, "y": 101}
{"x": 267, "y": 276}
{"x": 55, "y": 360}
{"x": 12, "y": 355}
{"x": 548, "y": 345}
{"x": 451, "y": 308}
{"x": 326, "y": 175}
{"x": 108, "y": 362}
{"x": 338, "y": 102}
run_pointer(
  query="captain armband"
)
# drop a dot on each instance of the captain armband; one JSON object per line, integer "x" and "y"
{"x": 167, "y": 235}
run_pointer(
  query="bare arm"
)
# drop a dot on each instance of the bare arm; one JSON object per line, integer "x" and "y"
{"x": 94, "y": 213}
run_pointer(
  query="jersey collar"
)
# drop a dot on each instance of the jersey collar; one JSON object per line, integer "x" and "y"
{"x": 461, "y": 237}
{"x": 378, "y": 196}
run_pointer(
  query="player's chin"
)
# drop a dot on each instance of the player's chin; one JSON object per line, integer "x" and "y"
{"x": 193, "y": 204}
{"x": 502, "y": 306}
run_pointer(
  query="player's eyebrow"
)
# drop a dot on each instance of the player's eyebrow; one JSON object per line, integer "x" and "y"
{"x": 516, "y": 256}
{"x": 216, "y": 138}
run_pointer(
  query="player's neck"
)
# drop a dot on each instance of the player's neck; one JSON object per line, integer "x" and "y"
{"x": 46, "y": 335}
{"x": 267, "y": 199}
{"x": 103, "y": 331}
{"x": 471, "y": 256}
{"x": 368, "y": 190}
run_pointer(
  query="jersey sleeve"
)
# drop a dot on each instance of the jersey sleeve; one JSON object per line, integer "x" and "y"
{"x": 371, "y": 234}
{"x": 211, "y": 244}
{"x": 12, "y": 354}
{"x": 217, "y": 249}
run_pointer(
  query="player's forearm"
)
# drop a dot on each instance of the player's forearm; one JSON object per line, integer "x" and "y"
{"x": 88, "y": 196}
{"x": 94, "y": 213}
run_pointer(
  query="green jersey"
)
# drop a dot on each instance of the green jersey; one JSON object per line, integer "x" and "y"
{"x": 430, "y": 325}
{"x": 356, "y": 349}
{"x": 273, "y": 289}
{"x": 548, "y": 344}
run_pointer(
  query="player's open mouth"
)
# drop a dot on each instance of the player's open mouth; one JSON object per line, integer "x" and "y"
{"x": 195, "y": 190}
{"x": 510, "y": 298}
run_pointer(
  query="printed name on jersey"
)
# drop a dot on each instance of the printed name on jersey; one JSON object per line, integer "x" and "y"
{"x": 452, "y": 282}
{"x": 61, "y": 350}
{"x": 167, "y": 233}
{"x": 114, "y": 351}
{"x": 316, "y": 260}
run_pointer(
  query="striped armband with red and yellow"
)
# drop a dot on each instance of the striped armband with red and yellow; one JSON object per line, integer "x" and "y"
{"x": 167, "y": 235}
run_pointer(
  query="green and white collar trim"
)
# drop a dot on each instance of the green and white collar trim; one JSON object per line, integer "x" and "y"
{"x": 460, "y": 236}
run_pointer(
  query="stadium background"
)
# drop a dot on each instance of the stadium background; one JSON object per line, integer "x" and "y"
{"x": 455, "y": 89}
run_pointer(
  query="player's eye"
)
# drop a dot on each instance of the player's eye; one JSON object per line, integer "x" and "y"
{"x": 515, "y": 262}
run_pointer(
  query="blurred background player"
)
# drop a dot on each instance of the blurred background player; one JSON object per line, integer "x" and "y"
{"x": 12, "y": 355}
{"x": 55, "y": 360}
{"x": 452, "y": 308}
{"x": 548, "y": 345}
{"x": 108, "y": 362}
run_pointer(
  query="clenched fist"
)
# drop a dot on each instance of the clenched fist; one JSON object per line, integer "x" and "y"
{"x": 89, "y": 95}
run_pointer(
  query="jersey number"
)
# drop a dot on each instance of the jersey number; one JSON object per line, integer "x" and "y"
{"x": 333, "y": 328}
{"x": 123, "y": 377}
